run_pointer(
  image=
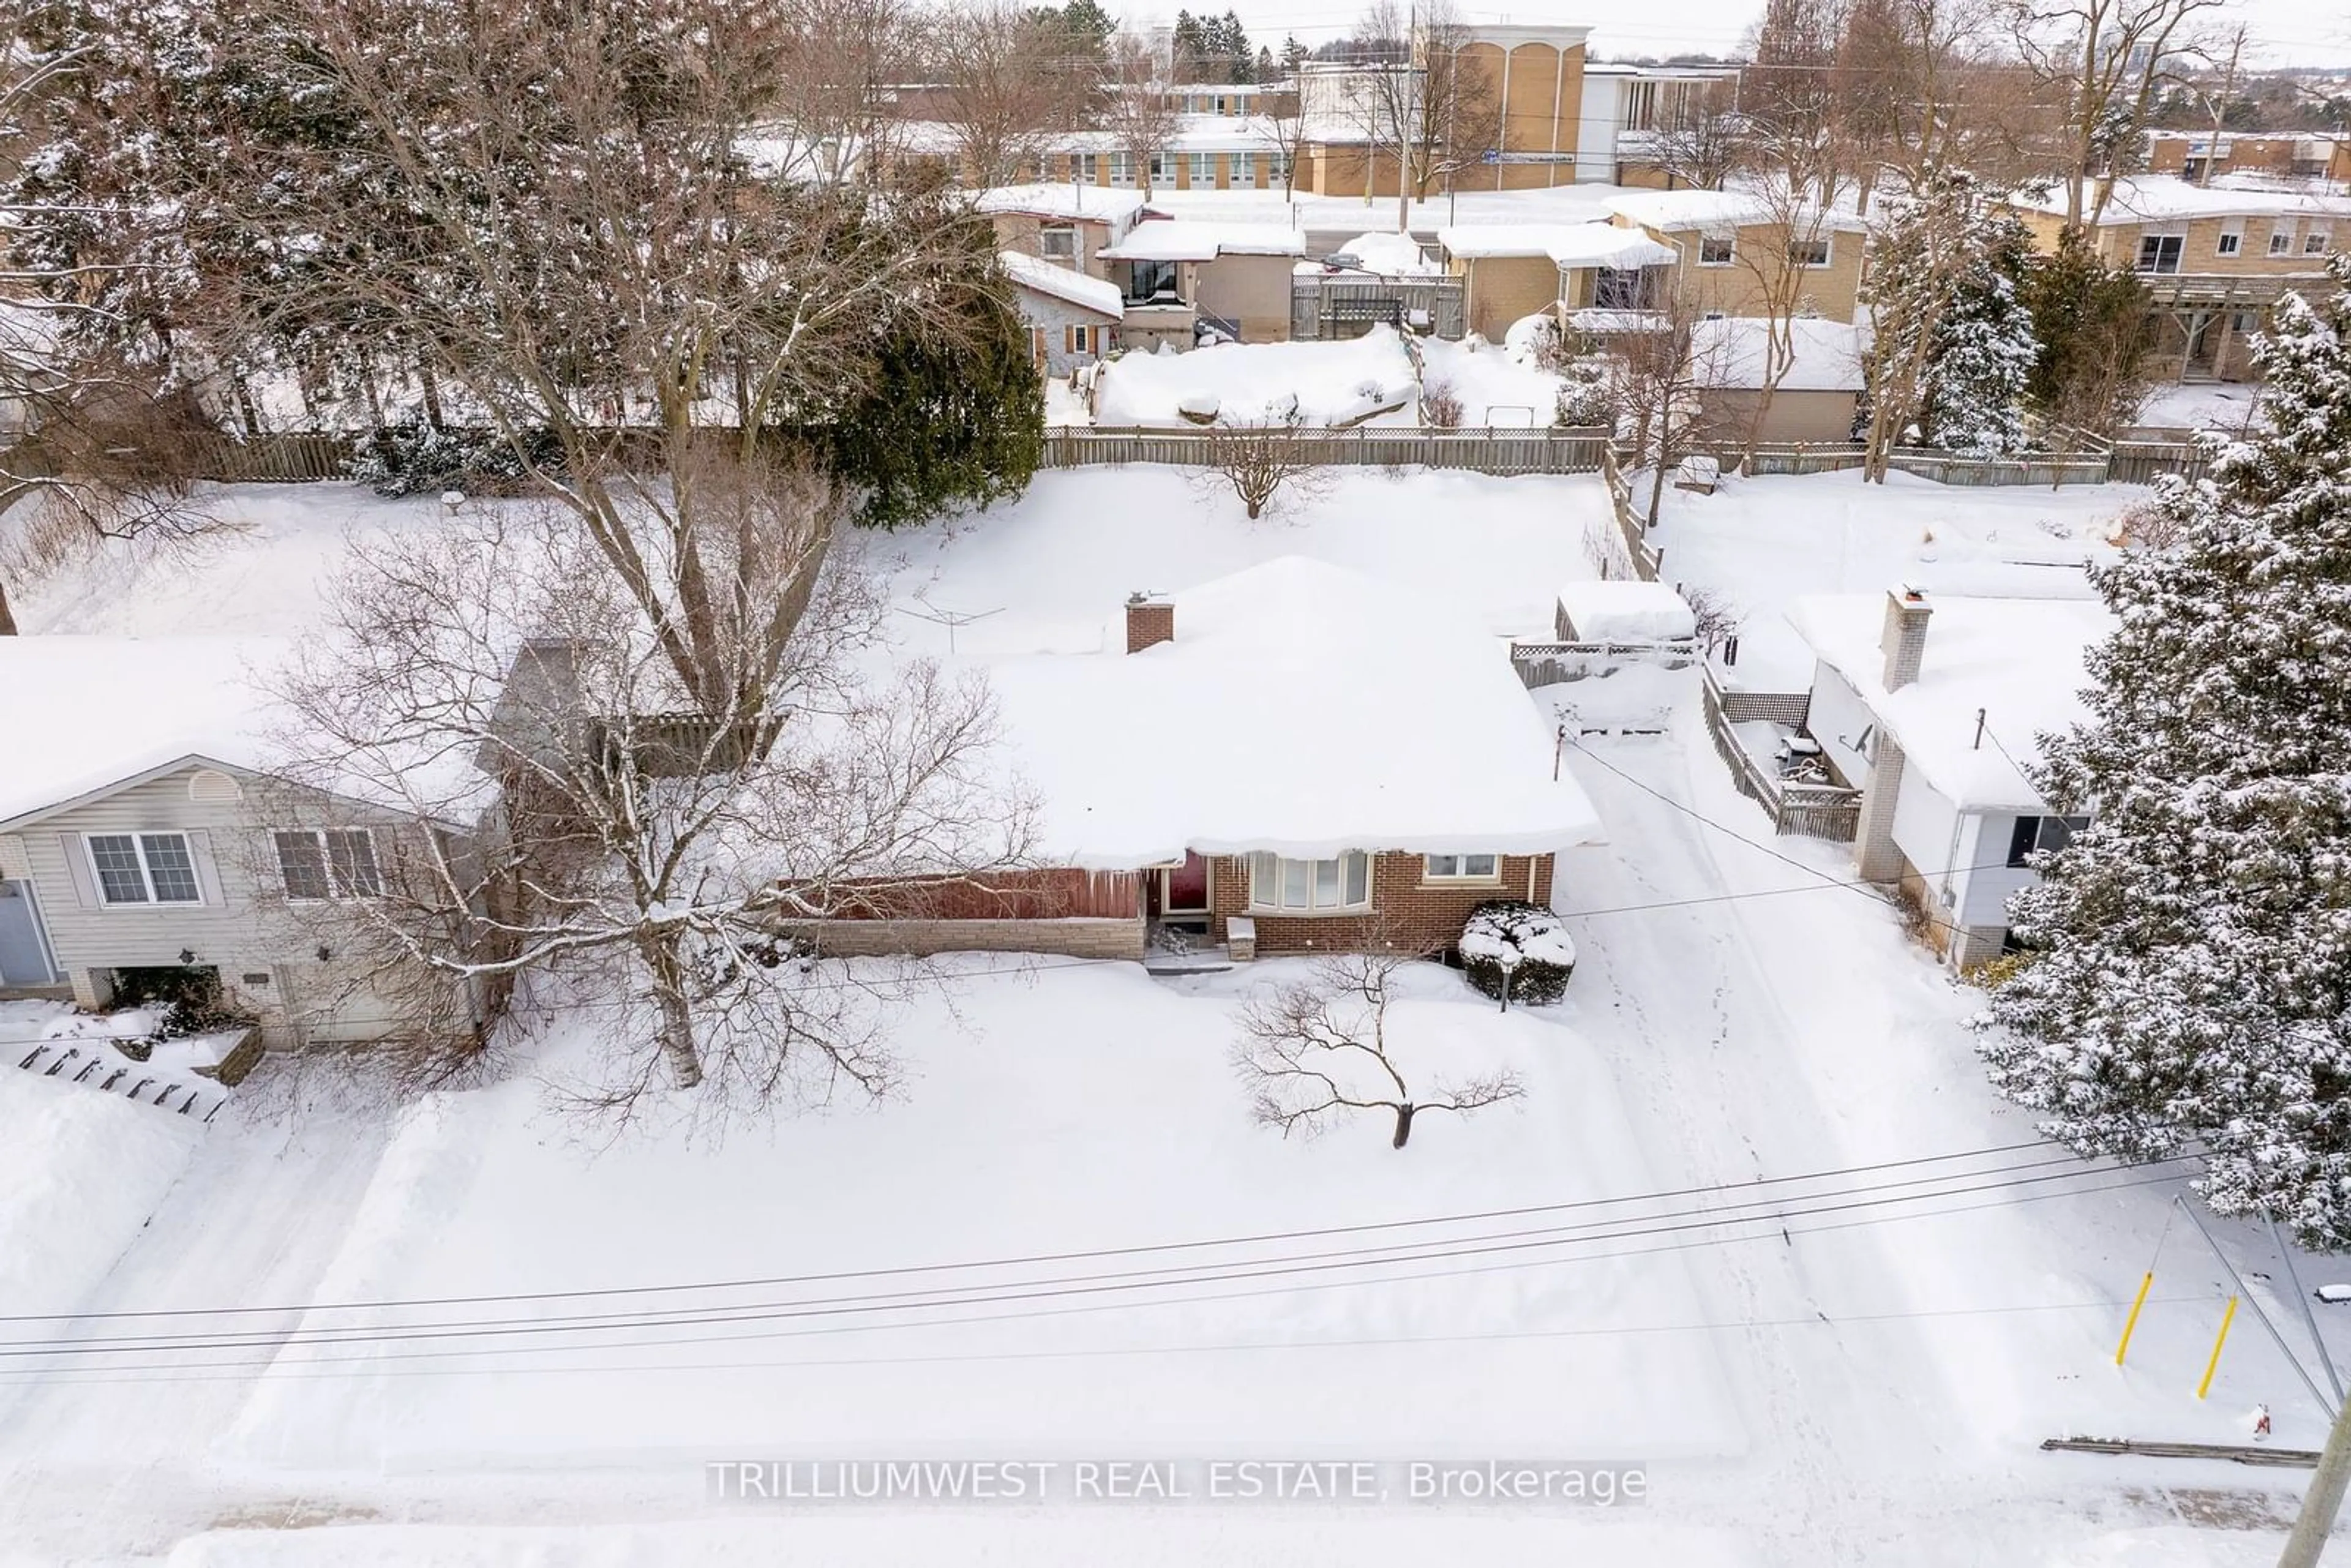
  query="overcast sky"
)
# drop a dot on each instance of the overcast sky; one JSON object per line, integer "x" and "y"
{"x": 2294, "y": 32}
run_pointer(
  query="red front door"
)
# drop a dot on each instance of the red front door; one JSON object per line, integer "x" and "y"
{"x": 1187, "y": 884}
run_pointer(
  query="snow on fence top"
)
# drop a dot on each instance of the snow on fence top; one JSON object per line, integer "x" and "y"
{"x": 1625, "y": 611}
{"x": 2019, "y": 660}
{"x": 1192, "y": 239}
{"x": 1096, "y": 203}
{"x": 1302, "y": 708}
{"x": 1064, "y": 282}
{"x": 82, "y": 713}
{"x": 1596, "y": 244}
{"x": 2158, "y": 198}
{"x": 1731, "y": 354}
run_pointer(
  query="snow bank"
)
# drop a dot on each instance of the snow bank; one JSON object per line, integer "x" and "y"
{"x": 1625, "y": 611}
{"x": 2017, "y": 660}
{"x": 1309, "y": 710}
{"x": 80, "y": 1172}
{"x": 1331, "y": 383}
{"x": 1389, "y": 256}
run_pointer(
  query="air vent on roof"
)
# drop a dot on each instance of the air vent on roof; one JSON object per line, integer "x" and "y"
{"x": 212, "y": 785}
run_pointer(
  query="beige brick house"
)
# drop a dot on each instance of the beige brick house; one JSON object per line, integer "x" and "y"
{"x": 1739, "y": 252}
{"x": 2215, "y": 260}
{"x": 1514, "y": 270}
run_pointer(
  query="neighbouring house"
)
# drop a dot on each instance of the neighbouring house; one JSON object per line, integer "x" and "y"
{"x": 1740, "y": 251}
{"x": 1179, "y": 278}
{"x": 1933, "y": 709}
{"x": 1817, "y": 396}
{"x": 2215, "y": 260}
{"x": 141, "y": 830}
{"x": 2200, "y": 155}
{"x": 1295, "y": 759}
{"x": 1073, "y": 319}
{"x": 1511, "y": 271}
{"x": 1069, "y": 225}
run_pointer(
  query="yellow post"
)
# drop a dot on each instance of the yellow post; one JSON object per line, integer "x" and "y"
{"x": 2213, "y": 1366}
{"x": 2131, "y": 1322}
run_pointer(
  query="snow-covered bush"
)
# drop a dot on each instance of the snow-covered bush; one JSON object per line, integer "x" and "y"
{"x": 411, "y": 459}
{"x": 1440, "y": 405}
{"x": 1524, "y": 944}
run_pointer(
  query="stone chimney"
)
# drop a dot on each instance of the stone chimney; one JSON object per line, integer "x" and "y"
{"x": 1150, "y": 620}
{"x": 1903, "y": 642}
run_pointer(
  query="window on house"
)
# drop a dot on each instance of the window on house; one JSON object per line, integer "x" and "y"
{"x": 2161, "y": 253}
{"x": 1122, "y": 168}
{"x": 2282, "y": 239}
{"x": 1058, "y": 242}
{"x": 1462, "y": 868}
{"x": 1203, "y": 173}
{"x": 338, "y": 863}
{"x": 1277, "y": 169}
{"x": 1243, "y": 166}
{"x": 1621, "y": 288}
{"x": 1085, "y": 167}
{"x": 1716, "y": 250}
{"x": 2232, "y": 241}
{"x": 1163, "y": 168}
{"x": 143, "y": 868}
{"x": 2316, "y": 242}
{"x": 2042, "y": 835}
{"x": 1809, "y": 252}
{"x": 1310, "y": 887}
{"x": 1081, "y": 339}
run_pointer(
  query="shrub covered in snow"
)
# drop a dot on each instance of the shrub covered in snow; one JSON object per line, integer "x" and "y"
{"x": 1508, "y": 939}
{"x": 1440, "y": 405}
{"x": 411, "y": 459}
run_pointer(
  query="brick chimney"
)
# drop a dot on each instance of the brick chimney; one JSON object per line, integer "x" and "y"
{"x": 1903, "y": 639}
{"x": 1150, "y": 620}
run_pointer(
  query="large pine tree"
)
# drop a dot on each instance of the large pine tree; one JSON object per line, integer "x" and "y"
{"x": 2188, "y": 985}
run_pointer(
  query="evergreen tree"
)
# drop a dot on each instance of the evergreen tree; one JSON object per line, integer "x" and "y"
{"x": 2095, "y": 332}
{"x": 1984, "y": 348}
{"x": 1265, "y": 71}
{"x": 1190, "y": 49}
{"x": 1089, "y": 27}
{"x": 1293, "y": 55}
{"x": 1231, "y": 55}
{"x": 2188, "y": 982}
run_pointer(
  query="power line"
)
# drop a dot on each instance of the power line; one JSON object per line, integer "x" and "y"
{"x": 371, "y": 1365}
{"x": 1015, "y": 1291}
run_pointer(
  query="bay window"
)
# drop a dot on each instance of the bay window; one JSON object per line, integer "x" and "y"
{"x": 1310, "y": 887}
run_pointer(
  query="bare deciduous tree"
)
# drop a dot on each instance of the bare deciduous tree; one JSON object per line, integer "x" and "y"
{"x": 1419, "y": 93}
{"x": 1136, "y": 107}
{"x": 1007, "y": 85}
{"x": 1701, "y": 140}
{"x": 1282, "y": 125}
{"x": 1313, "y": 1051}
{"x": 832, "y": 99}
{"x": 2107, "y": 61}
{"x": 648, "y": 851}
{"x": 1267, "y": 462}
{"x": 1664, "y": 377}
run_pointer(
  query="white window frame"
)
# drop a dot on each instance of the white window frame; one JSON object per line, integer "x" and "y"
{"x": 2317, "y": 239}
{"x": 1828, "y": 252}
{"x": 1268, "y": 873}
{"x": 1729, "y": 244}
{"x": 336, "y": 893}
{"x": 2156, "y": 237}
{"x": 1201, "y": 170}
{"x": 138, "y": 837}
{"x": 1240, "y": 170}
{"x": 2232, "y": 241}
{"x": 1456, "y": 871}
{"x": 2282, "y": 237}
{"x": 1086, "y": 167}
{"x": 1122, "y": 169}
{"x": 1058, "y": 232}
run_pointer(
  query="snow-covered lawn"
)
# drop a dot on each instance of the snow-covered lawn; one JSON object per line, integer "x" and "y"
{"x": 1345, "y": 383}
{"x": 1494, "y": 388}
{"x": 2226, "y": 406}
{"x": 1759, "y": 544}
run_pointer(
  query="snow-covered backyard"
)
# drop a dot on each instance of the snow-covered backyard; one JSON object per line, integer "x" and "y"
{"x": 1758, "y": 1224}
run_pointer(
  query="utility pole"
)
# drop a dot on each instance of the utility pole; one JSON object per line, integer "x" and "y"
{"x": 1404, "y": 127}
{"x": 2324, "y": 1499}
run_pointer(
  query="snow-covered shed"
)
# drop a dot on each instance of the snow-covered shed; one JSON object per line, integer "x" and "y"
{"x": 1300, "y": 747}
{"x": 1933, "y": 706}
{"x": 1623, "y": 610}
{"x": 1073, "y": 319}
{"x": 1818, "y": 392}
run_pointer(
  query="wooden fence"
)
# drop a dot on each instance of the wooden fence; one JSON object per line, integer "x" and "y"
{"x": 2096, "y": 463}
{"x": 1549, "y": 664}
{"x": 1646, "y": 562}
{"x": 1499, "y": 450}
{"x": 1815, "y": 810}
{"x": 292, "y": 457}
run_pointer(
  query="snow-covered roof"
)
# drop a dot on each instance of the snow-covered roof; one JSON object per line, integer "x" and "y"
{"x": 2018, "y": 660}
{"x": 2157, "y": 199}
{"x": 1626, "y": 609}
{"x": 1716, "y": 209}
{"x": 1390, "y": 255}
{"x": 1109, "y": 204}
{"x": 1566, "y": 244}
{"x": 1312, "y": 710}
{"x": 83, "y": 713}
{"x": 1731, "y": 354}
{"x": 1163, "y": 239}
{"x": 1064, "y": 282}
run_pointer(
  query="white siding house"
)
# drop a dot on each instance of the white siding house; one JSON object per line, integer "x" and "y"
{"x": 1933, "y": 710}
{"x": 136, "y": 832}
